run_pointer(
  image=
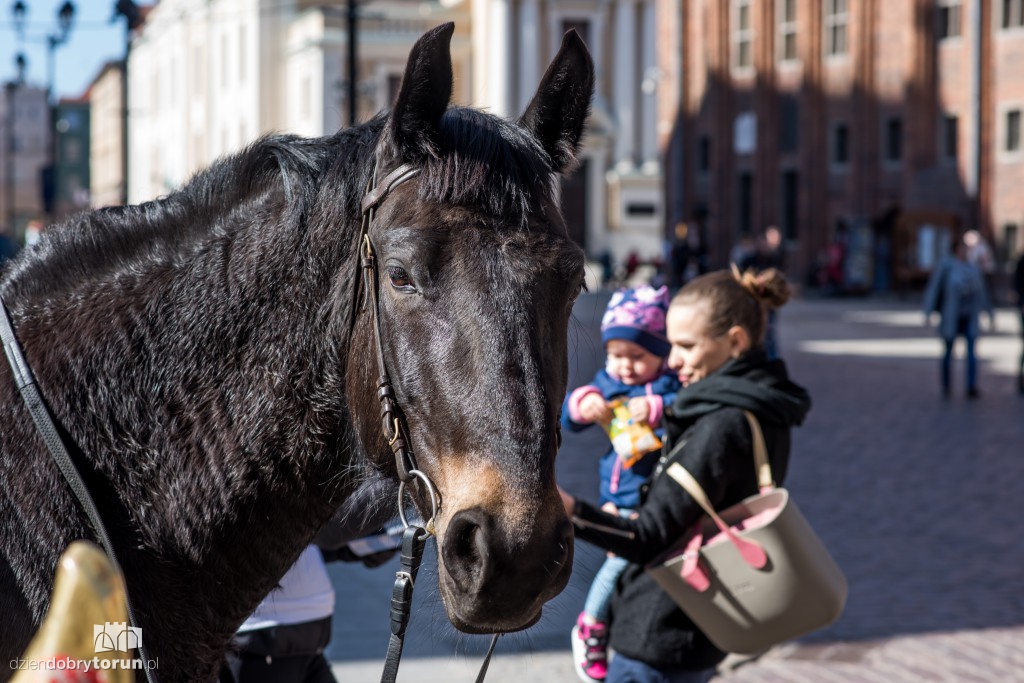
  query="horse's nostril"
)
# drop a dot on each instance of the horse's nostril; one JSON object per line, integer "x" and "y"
{"x": 465, "y": 549}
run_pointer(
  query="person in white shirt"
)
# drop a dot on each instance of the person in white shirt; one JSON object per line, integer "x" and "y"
{"x": 283, "y": 640}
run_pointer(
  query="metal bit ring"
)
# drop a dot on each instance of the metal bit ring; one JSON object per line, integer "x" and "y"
{"x": 434, "y": 505}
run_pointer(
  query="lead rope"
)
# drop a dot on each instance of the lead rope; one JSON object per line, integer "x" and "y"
{"x": 414, "y": 540}
{"x": 30, "y": 394}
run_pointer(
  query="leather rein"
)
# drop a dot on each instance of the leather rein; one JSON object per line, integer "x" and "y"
{"x": 45, "y": 424}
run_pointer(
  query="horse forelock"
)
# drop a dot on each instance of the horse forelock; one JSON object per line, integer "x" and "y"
{"x": 488, "y": 164}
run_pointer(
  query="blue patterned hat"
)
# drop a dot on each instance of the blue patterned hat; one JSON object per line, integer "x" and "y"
{"x": 638, "y": 315}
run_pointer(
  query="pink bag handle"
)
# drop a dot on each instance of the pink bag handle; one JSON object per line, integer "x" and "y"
{"x": 751, "y": 552}
{"x": 691, "y": 571}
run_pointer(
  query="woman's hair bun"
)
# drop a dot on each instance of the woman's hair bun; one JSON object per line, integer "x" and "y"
{"x": 768, "y": 286}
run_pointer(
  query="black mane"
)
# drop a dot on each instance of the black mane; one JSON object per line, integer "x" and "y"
{"x": 481, "y": 161}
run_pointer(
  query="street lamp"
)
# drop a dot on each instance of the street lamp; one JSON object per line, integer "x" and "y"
{"x": 65, "y": 19}
{"x": 133, "y": 20}
{"x": 9, "y": 89}
{"x": 18, "y": 12}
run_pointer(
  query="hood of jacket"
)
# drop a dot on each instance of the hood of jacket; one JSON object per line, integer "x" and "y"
{"x": 751, "y": 382}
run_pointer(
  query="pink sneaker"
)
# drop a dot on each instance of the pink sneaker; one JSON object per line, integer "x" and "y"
{"x": 590, "y": 650}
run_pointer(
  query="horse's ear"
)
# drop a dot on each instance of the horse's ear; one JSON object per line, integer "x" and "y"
{"x": 558, "y": 111}
{"x": 423, "y": 96}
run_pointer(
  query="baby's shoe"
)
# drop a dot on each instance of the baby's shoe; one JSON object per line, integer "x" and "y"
{"x": 590, "y": 650}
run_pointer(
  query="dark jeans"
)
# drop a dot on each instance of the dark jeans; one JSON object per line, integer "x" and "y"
{"x": 625, "y": 670}
{"x": 245, "y": 668}
{"x": 972, "y": 360}
{"x": 283, "y": 654}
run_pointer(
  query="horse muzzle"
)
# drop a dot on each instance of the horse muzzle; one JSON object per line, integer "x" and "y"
{"x": 496, "y": 579}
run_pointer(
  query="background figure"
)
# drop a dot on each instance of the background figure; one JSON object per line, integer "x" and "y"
{"x": 283, "y": 641}
{"x": 8, "y": 249}
{"x": 1018, "y": 286}
{"x": 743, "y": 250}
{"x": 633, "y": 331}
{"x": 980, "y": 255}
{"x": 607, "y": 267}
{"x": 957, "y": 292}
{"x": 683, "y": 255}
{"x": 767, "y": 254}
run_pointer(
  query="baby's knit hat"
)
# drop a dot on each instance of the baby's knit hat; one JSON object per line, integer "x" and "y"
{"x": 638, "y": 315}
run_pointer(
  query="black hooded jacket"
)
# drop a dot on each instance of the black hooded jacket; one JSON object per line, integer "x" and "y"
{"x": 708, "y": 416}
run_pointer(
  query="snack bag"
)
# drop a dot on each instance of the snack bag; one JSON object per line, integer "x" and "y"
{"x": 631, "y": 440}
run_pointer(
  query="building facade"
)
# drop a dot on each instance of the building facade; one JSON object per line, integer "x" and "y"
{"x": 613, "y": 203}
{"x": 207, "y": 77}
{"x": 24, "y": 153}
{"x": 107, "y": 160}
{"x": 885, "y": 127}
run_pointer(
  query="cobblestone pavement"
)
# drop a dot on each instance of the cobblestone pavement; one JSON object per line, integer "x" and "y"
{"x": 914, "y": 495}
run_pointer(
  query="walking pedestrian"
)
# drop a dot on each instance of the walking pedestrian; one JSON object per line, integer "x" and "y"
{"x": 957, "y": 292}
{"x": 716, "y": 328}
{"x": 633, "y": 332}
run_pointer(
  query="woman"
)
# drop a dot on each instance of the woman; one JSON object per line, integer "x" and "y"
{"x": 716, "y": 326}
{"x": 956, "y": 290}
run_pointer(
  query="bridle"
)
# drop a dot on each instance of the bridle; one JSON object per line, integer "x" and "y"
{"x": 395, "y": 431}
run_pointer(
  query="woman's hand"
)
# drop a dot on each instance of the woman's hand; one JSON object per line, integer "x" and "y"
{"x": 639, "y": 409}
{"x": 593, "y": 408}
{"x": 568, "y": 502}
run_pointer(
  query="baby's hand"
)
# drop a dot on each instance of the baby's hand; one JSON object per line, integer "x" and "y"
{"x": 639, "y": 409}
{"x": 593, "y": 408}
{"x": 610, "y": 508}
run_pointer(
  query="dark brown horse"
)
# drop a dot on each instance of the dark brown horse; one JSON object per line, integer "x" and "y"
{"x": 206, "y": 358}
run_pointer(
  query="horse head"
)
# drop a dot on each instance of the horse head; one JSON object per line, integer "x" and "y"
{"x": 475, "y": 280}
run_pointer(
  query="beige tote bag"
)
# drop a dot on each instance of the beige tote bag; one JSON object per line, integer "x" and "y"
{"x": 755, "y": 574}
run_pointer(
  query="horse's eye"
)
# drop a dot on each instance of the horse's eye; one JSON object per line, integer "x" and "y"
{"x": 399, "y": 278}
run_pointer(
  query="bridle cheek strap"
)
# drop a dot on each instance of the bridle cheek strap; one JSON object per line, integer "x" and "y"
{"x": 395, "y": 432}
{"x": 393, "y": 423}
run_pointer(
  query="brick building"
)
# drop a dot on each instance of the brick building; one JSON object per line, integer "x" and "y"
{"x": 889, "y": 126}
